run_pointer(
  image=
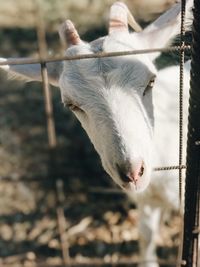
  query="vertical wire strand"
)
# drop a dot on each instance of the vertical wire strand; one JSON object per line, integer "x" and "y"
{"x": 181, "y": 86}
{"x": 51, "y": 135}
{"x": 192, "y": 187}
{"x": 62, "y": 223}
{"x": 47, "y": 93}
{"x": 196, "y": 231}
{"x": 198, "y": 226}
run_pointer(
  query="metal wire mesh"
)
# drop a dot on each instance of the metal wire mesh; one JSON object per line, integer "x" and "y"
{"x": 43, "y": 59}
{"x": 192, "y": 194}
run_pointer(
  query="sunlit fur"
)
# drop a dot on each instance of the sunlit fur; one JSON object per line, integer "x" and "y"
{"x": 163, "y": 192}
{"x": 111, "y": 93}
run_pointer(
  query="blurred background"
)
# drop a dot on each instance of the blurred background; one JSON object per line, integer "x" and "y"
{"x": 100, "y": 223}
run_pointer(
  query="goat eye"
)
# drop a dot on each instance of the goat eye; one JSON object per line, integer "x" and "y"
{"x": 149, "y": 86}
{"x": 74, "y": 107}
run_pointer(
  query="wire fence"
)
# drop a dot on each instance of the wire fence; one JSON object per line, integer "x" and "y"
{"x": 43, "y": 60}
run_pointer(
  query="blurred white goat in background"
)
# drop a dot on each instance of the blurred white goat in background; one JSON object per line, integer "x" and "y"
{"x": 146, "y": 10}
{"x": 128, "y": 109}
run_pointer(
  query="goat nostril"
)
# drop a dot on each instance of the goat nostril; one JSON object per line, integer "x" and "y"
{"x": 123, "y": 175}
{"x": 141, "y": 172}
{"x": 137, "y": 173}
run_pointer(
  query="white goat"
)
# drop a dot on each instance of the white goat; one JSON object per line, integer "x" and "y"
{"x": 146, "y": 10}
{"x": 132, "y": 122}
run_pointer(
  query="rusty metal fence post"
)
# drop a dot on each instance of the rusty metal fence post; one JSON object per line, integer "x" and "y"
{"x": 192, "y": 188}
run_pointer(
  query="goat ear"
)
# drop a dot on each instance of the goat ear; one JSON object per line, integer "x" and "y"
{"x": 32, "y": 72}
{"x": 166, "y": 27}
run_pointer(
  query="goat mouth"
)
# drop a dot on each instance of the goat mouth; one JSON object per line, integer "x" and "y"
{"x": 130, "y": 186}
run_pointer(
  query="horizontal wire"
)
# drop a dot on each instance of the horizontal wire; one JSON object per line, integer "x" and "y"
{"x": 196, "y": 230}
{"x": 24, "y": 61}
{"x": 42, "y": 179}
{"x": 169, "y": 168}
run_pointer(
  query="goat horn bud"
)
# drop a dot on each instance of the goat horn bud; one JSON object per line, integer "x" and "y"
{"x": 120, "y": 17}
{"x": 69, "y": 34}
{"x": 132, "y": 22}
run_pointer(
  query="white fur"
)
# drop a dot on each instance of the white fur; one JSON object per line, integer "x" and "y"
{"x": 114, "y": 88}
{"x": 162, "y": 193}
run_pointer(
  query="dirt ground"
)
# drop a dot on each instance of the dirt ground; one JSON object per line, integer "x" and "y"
{"x": 100, "y": 223}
